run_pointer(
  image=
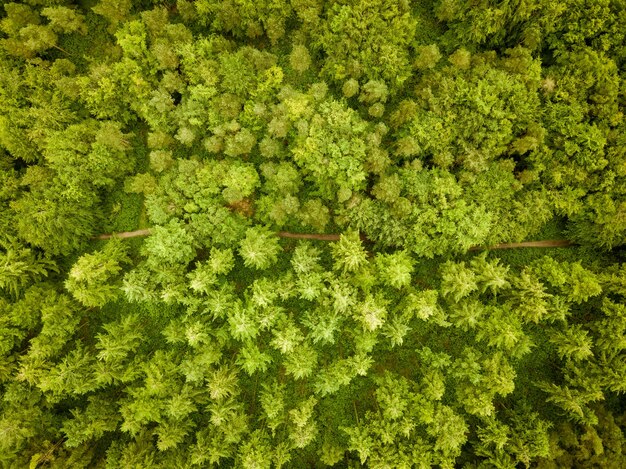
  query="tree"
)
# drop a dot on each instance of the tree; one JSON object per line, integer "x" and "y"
{"x": 92, "y": 279}
{"x": 573, "y": 401}
{"x": 72, "y": 376}
{"x": 499, "y": 25}
{"x": 256, "y": 452}
{"x": 600, "y": 224}
{"x": 574, "y": 343}
{"x": 450, "y": 128}
{"x": 303, "y": 426}
{"x": 372, "y": 312}
{"x": 490, "y": 274}
{"x": 259, "y": 248}
{"x": 89, "y": 153}
{"x": 399, "y": 139}
{"x": 58, "y": 224}
{"x": 120, "y": 339}
{"x": 332, "y": 151}
{"x": 170, "y": 244}
{"x": 19, "y": 266}
{"x": 240, "y": 181}
{"x": 92, "y": 422}
{"x": 246, "y": 19}
{"x": 115, "y": 11}
{"x": 395, "y": 269}
{"x": 302, "y": 361}
{"x": 27, "y": 37}
{"x": 59, "y": 319}
{"x": 348, "y": 253}
{"x": 300, "y": 59}
{"x": 457, "y": 280}
{"x": 65, "y": 20}
{"x": 429, "y": 214}
{"x": 359, "y": 42}
{"x": 287, "y": 337}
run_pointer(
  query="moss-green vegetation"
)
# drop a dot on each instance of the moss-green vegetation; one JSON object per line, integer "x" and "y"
{"x": 414, "y": 131}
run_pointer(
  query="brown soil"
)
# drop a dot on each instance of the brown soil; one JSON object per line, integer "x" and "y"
{"x": 125, "y": 234}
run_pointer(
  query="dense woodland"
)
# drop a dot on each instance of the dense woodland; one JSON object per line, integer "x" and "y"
{"x": 420, "y": 132}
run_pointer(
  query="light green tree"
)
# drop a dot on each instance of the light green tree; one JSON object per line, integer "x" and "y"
{"x": 93, "y": 280}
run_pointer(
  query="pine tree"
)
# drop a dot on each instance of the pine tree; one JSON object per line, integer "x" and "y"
{"x": 348, "y": 252}
{"x": 60, "y": 318}
{"x": 19, "y": 266}
{"x": 529, "y": 297}
{"x": 573, "y": 401}
{"x": 287, "y": 337}
{"x": 74, "y": 375}
{"x": 302, "y": 361}
{"x": 573, "y": 343}
{"x": 92, "y": 279}
{"x": 252, "y": 359}
{"x": 303, "y": 426}
{"x": 120, "y": 339}
{"x": 457, "y": 280}
{"x": 491, "y": 275}
{"x": 49, "y": 220}
{"x": 395, "y": 269}
{"x": 222, "y": 383}
{"x": 256, "y": 452}
{"x": 91, "y": 423}
{"x": 259, "y": 249}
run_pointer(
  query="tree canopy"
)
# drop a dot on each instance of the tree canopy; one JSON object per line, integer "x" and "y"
{"x": 317, "y": 186}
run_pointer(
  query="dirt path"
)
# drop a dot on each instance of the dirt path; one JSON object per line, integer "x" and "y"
{"x": 549, "y": 243}
{"x": 125, "y": 234}
{"x": 282, "y": 234}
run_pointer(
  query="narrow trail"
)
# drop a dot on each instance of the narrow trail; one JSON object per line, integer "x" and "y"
{"x": 125, "y": 234}
{"x": 549, "y": 243}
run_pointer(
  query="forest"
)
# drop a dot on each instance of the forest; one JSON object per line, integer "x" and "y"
{"x": 269, "y": 234}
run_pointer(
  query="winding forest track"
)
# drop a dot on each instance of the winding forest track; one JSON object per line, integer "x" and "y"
{"x": 549, "y": 243}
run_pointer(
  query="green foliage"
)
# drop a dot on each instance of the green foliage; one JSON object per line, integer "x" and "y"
{"x": 115, "y": 11}
{"x": 457, "y": 280}
{"x": 600, "y": 445}
{"x": 421, "y": 210}
{"x": 92, "y": 422}
{"x": 91, "y": 279}
{"x": 300, "y": 59}
{"x": 259, "y": 249}
{"x": 397, "y": 139}
{"x": 395, "y": 269}
{"x": 449, "y": 128}
{"x": 20, "y": 267}
{"x": 348, "y": 252}
{"x": 500, "y": 24}
{"x": 360, "y": 42}
{"x": 333, "y": 150}
{"x": 169, "y": 244}
{"x": 240, "y": 182}
{"x": 27, "y": 37}
{"x": 49, "y": 221}
{"x": 245, "y": 19}
{"x": 601, "y": 223}
{"x": 65, "y": 20}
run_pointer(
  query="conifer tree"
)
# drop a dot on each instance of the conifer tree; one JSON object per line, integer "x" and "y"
{"x": 90, "y": 279}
